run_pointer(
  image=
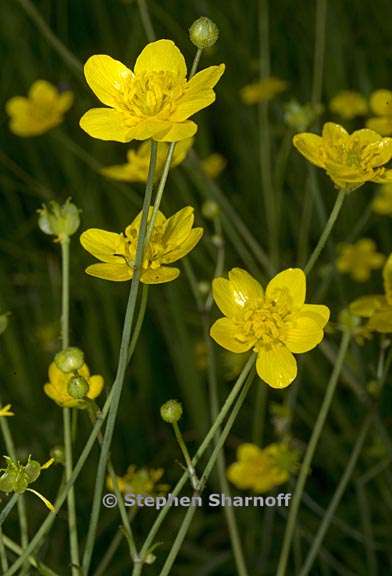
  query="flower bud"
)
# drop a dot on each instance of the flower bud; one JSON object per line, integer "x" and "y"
{"x": 60, "y": 221}
{"x": 7, "y": 481}
{"x": 204, "y": 287}
{"x": 171, "y": 411}
{"x": 210, "y": 210}
{"x": 58, "y": 455}
{"x": 150, "y": 558}
{"x": 32, "y": 470}
{"x": 69, "y": 360}
{"x": 203, "y": 33}
{"x": 78, "y": 387}
{"x": 217, "y": 240}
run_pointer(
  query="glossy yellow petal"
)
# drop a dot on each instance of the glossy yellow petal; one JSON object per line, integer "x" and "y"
{"x": 303, "y": 335}
{"x": 232, "y": 295}
{"x": 365, "y": 137}
{"x": 387, "y": 277}
{"x": 43, "y": 92}
{"x": 135, "y": 224}
{"x": 159, "y": 275}
{"x": 367, "y": 305}
{"x": 382, "y": 125}
{"x": 106, "y": 124}
{"x": 317, "y": 312}
{"x": 124, "y": 173}
{"x": 95, "y": 386}
{"x": 381, "y": 102}
{"x": 334, "y": 134}
{"x": 179, "y": 226}
{"x": 311, "y": 146}
{"x": 114, "y": 272}
{"x": 199, "y": 92}
{"x": 161, "y": 56}
{"x": 108, "y": 79}
{"x": 383, "y": 177}
{"x": 103, "y": 244}
{"x": 180, "y": 151}
{"x": 276, "y": 366}
{"x": 184, "y": 248}
{"x": 225, "y": 332}
{"x": 291, "y": 281}
{"x": 174, "y": 132}
{"x": 379, "y": 153}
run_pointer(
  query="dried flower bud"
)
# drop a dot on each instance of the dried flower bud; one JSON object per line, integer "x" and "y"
{"x": 59, "y": 220}
{"x": 203, "y": 33}
{"x": 210, "y": 210}
{"x": 171, "y": 411}
{"x": 78, "y": 387}
{"x": 69, "y": 360}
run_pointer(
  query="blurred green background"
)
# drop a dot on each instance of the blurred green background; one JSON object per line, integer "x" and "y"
{"x": 168, "y": 363}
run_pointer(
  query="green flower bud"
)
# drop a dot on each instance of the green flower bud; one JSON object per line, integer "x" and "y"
{"x": 57, "y": 453}
{"x": 8, "y": 480}
{"x": 203, "y": 33}
{"x": 60, "y": 221}
{"x": 32, "y": 470}
{"x": 217, "y": 240}
{"x": 150, "y": 558}
{"x": 210, "y": 210}
{"x": 204, "y": 287}
{"x": 78, "y": 387}
{"x": 69, "y": 360}
{"x": 171, "y": 411}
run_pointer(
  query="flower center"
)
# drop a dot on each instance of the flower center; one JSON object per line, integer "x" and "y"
{"x": 153, "y": 93}
{"x": 152, "y": 252}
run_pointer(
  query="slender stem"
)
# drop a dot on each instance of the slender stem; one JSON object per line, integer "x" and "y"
{"x": 195, "y": 62}
{"x": 139, "y": 321}
{"x": 146, "y": 20}
{"x": 122, "y": 364}
{"x": 185, "y": 453}
{"x": 313, "y": 442}
{"x": 3, "y": 553}
{"x": 319, "y": 50}
{"x": 327, "y": 231}
{"x": 7, "y": 508}
{"x": 32, "y": 561}
{"x": 65, "y": 293}
{"x": 113, "y": 547}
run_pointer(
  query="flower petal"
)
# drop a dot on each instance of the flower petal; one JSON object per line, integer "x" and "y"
{"x": 233, "y": 294}
{"x": 43, "y": 92}
{"x": 318, "y": 312}
{"x": 106, "y": 124}
{"x": 304, "y": 335}
{"x": 175, "y": 131}
{"x": 248, "y": 451}
{"x": 103, "y": 244}
{"x": 381, "y": 102}
{"x": 199, "y": 92}
{"x": 160, "y": 275}
{"x": 114, "y": 272}
{"x": 333, "y": 134}
{"x": 291, "y": 281}
{"x": 17, "y": 105}
{"x": 65, "y": 101}
{"x": 184, "y": 248}
{"x": 162, "y": 55}
{"x": 179, "y": 226}
{"x": 367, "y": 305}
{"x": 95, "y": 386}
{"x": 276, "y": 366}
{"x": 225, "y": 332}
{"x": 311, "y": 146}
{"x": 107, "y": 78}
{"x": 382, "y": 125}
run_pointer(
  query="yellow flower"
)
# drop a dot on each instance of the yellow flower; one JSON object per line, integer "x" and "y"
{"x": 171, "y": 239}
{"x": 275, "y": 324}
{"x": 6, "y": 410}
{"x": 154, "y": 101}
{"x": 57, "y": 387}
{"x": 140, "y": 481}
{"x": 382, "y": 203}
{"x": 350, "y": 160}
{"x": 263, "y": 90}
{"x": 261, "y": 469}
{"x": 377, "y": 308}
{"x": 381, "y": 105}
{"x": 359, "y": 259}
{"x": 43, "y": 109}
{"x": 213, "y": 165}
{"x": 348, "y": 104}
{"x": 138, "y": 161}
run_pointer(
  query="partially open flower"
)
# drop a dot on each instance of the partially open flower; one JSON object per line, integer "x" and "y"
{"x": 143, "y": 481}
{"x": 171, "y": 239}
{"x": 59, "y": 220}
{"x": 359, "y": 259}
{"x": 43, "y": 109}
{"x": 57, "y": 387}
{"x": 348, "y": 104}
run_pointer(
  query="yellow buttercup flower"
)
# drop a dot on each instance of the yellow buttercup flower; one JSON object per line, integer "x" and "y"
{"x": 382, "y": 203}
{"x": 43, "y": 109}
{"x": 171, "y": 239}
{"x": 377, "y": 308}
{"x": 381, "y": 105}
{"x": 57, "y": 387}
{"x": 143, "y": 481}
{"x": 262, "y": 469}
{"x": 275, "y": 324}
{"x": 263, "y": 90}
{"x": 213, "y": 165}
{"x": 348, "y": 104}
{"x": 154, "y": 101}
{"x": 138, "y": 161}
{"x": 350, "y": 160}
{"x": 6, "y": 411}
{"x": 359, "y": 259}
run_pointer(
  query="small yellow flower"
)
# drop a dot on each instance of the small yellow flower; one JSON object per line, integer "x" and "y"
{"x": 359, "y": 259}
{"x": 171, "y": 239}
{"x": 138, "y": 161}
{"x": 377, "y": 308}
{"x": 43, "y": 109}
{"x": 382, "y": 203}
{"x": 143, "y": 481}
{"x": 381, "y": 105}
{"x": 350, "y": 160}
{"x": 261, "y": 469}
{"x": 57, "y": 387}
{"x": 348, "y": 104}
{"x": 6, "y": 410}
{"x": 263, "y": 90}
{"x": 154, "y": 101}
{"x": 213, "y": 165}
{"x": 275, "y": 324}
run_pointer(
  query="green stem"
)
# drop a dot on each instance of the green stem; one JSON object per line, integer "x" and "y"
{"x": 65, "y": 293}
{"x": 319, "y": 50}
{"x": 113, "y": 547}
{"x": 327, "y": 231}
{"x": 146, "y": 20}
{"x": 195, "y": 62}
{"x": 185, "y": 453}
{"x": 32, "y": 561}
{"x": 3, "y": 553}
{"x": 7, "y": 508}
{"x": 122, "y": 364}
{"x": 313, "y": 442}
